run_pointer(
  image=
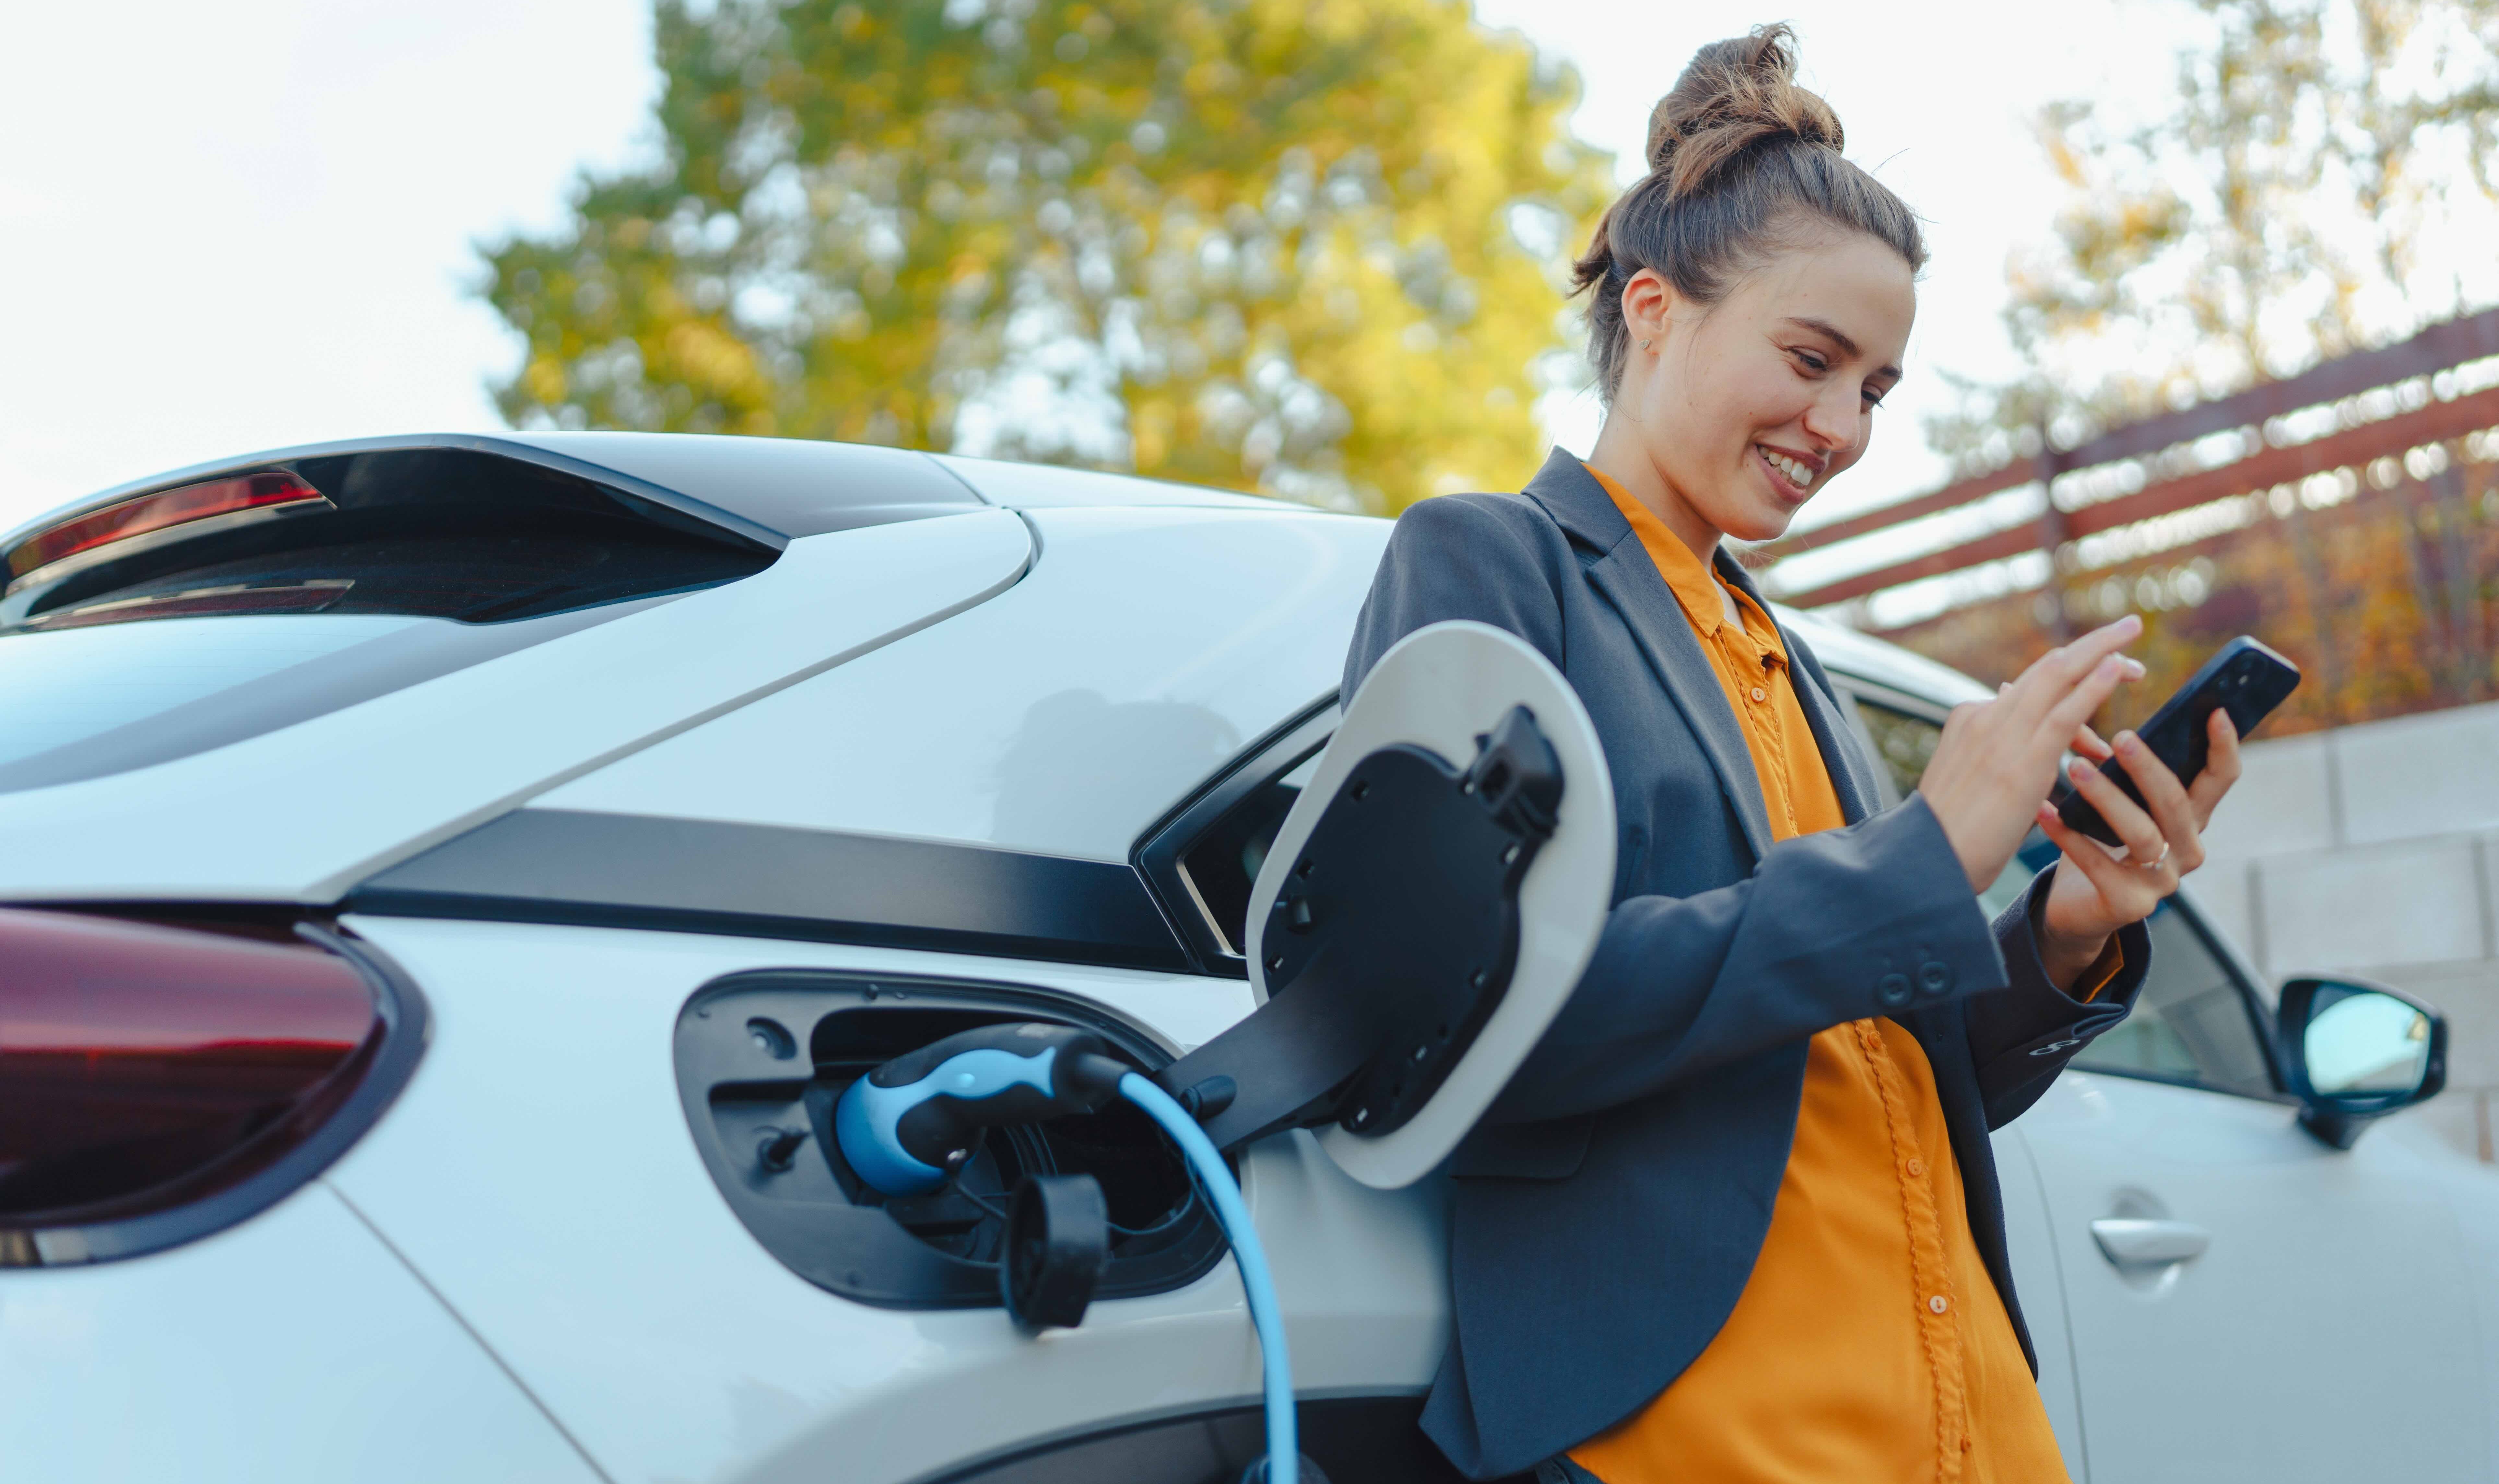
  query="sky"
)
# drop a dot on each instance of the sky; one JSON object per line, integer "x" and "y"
{"x": 235, "y": 227}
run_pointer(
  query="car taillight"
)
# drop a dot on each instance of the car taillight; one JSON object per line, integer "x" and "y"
{"x": 159, "y": 1081}
{"x": 144, "y": 513}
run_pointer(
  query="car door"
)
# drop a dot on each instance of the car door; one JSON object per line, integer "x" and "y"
{"x": 2240, "y": 1301}
{"x": 2246, "y": 1301}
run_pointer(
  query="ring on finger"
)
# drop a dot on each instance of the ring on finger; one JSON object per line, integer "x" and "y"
{"x": 2154, "y": 862}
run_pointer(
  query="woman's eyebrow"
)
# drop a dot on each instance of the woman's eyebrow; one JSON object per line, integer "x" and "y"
{"x": 1838, "y": 337}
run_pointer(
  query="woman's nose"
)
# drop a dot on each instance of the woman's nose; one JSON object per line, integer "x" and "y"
{"x": 1833, "y": 423}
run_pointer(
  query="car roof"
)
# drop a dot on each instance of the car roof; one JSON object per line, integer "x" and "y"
{"x": 766, "y": 489}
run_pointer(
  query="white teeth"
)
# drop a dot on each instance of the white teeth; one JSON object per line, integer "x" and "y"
{"x": 1795, "y": 469}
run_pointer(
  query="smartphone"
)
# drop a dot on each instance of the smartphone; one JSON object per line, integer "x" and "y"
{"x": 2245, "y": 678}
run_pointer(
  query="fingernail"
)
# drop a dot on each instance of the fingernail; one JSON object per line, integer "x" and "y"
{"x": 2133, "y": 669}
{"x": 2128, "y": 741}
{"x": 2078, "y": 770}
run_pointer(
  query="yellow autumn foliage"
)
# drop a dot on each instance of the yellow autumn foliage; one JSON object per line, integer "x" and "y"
{"x": 1306, "y": 247}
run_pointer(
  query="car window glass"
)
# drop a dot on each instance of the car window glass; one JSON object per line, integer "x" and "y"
{"x": 1222, "y": 866}
{"x": 68, "y": 687}
{"x": 2192, "y": 1023}
{"x": 1904, "y": 744}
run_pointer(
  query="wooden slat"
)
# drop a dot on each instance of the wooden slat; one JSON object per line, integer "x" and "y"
{"x": 1960, "y": 492}
{"x": 2012, "y": 541}
{"x": 2434, "y": 349}
{"x": 2436, "y": 423}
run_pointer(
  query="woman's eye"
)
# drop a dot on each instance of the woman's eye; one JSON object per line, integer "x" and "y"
{"x": 1812, "y": 362}
{"x": 1873, "y": 397}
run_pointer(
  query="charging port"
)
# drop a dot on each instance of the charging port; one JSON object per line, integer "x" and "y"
{"x": 761, "y": 1058}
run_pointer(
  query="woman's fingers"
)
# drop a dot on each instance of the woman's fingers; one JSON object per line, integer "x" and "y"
{"x": 2140, "y": 834}
{"x": 2055, "y": 674}
{"x": 2076, "y": 705}
{"x": 2165, "y": 799}
{"x": 1995, "y": 759}
{"x": 2128, "y": 891}
{"x": 2087, "y": 742}
{"x": 2220, "y": 768}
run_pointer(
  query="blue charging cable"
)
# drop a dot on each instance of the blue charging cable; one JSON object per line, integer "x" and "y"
{"x": 907, "y": 1128}
{"x": 1284, "y": 1442}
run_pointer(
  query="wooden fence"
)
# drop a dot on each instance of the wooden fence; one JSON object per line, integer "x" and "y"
{"x": 2344, "y": 415}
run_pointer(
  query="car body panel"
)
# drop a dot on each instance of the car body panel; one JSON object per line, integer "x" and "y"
{"x": 539, "y": 1173}
{"x": 2239, "y": 1363}
{"x": 1065, "y": 725}
{"x": 2037, "y": 1277}
{"x": 1052, "y": 486}
{"x": 293, "y": 1347}
{"x": 301, "y": 813}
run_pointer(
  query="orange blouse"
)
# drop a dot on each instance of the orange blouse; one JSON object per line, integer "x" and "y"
{"x": 1870, "y": 1342}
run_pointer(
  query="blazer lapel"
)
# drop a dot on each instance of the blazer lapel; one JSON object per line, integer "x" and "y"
{"x": 1624, "y": 573}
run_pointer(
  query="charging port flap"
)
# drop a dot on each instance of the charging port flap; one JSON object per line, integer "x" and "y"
{"x": 1454, "y": 852}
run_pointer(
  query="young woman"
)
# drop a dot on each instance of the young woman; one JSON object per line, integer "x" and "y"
{"x": 1737, "y": 1218}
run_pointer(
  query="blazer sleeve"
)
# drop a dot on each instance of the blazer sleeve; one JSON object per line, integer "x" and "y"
{"x": 2022, "y": 1036}
{"x": 1872, "y": 920}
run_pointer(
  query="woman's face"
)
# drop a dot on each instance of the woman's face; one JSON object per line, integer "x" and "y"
{"x": 1748, "y": 408}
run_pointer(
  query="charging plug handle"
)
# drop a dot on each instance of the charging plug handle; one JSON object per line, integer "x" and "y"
{"x": 909, "y": 1124}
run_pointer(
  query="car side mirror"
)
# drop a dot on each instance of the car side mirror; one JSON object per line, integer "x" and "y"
{"x": 2358, "y": 1051}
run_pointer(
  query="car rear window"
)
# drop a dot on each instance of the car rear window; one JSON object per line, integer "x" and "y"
{"x": 371, "y": 572}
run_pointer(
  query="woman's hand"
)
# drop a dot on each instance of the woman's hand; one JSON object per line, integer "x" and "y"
{"x": 2100, "y": 889}
{"x": 1998, "y": 758}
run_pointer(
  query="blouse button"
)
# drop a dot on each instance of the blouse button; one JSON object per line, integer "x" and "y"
{"x": 1939, "y": 1304}
{"x": 1760, "y": 694}
{"x": 1917, "y": 1167}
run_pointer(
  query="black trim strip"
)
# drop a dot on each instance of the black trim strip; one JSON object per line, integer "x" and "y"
{"x": 707, "y": 876}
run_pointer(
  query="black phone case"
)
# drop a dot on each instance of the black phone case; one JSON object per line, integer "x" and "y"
{"x": 2245, "y": 678}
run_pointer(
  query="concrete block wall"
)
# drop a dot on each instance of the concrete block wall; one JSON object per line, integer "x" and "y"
{"x": 2369, "y": 851}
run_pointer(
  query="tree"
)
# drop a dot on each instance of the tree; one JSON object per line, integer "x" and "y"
{"x": 1307, "y": 246}
{"x": 2323, "y": 182}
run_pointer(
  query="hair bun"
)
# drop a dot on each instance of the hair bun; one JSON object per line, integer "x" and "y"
{"x": 1734, "y": 94}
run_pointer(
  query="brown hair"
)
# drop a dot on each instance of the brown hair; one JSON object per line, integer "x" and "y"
{"x": 1739, "y": 157}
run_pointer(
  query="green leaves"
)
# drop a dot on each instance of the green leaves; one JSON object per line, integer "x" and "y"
{"x": 1265, "y": 243}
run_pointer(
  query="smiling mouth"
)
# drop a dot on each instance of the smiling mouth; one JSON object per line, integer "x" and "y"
{"x": 1797, "y": 474}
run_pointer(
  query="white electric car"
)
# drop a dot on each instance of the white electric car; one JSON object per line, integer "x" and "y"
{"x": 447, "y": 881}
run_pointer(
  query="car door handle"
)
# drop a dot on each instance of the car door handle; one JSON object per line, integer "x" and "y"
{"x": 2132, "y": 1241}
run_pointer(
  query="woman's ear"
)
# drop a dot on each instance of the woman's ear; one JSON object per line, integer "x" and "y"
{"x": 1648, "y": 303}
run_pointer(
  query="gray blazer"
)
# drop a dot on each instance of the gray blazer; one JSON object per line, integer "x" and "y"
{"x": 1607, "y": 1214}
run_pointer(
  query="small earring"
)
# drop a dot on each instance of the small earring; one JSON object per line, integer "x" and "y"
{"x": 1643, "y": 344}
